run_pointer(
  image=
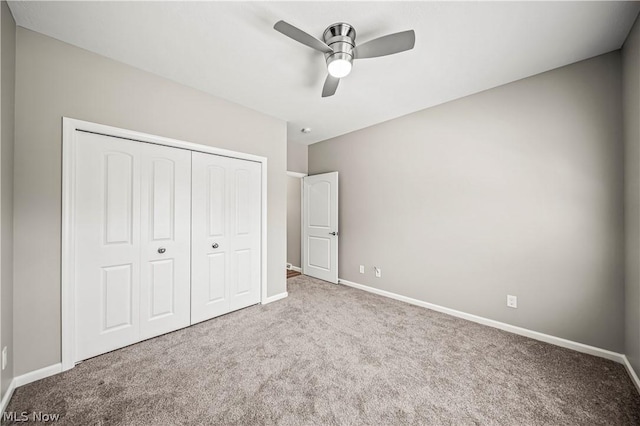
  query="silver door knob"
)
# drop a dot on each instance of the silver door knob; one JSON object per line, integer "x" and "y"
{"x": 333, "y": 233}
{"x": 162, "y": 250}
{"x": 215, "y": 245}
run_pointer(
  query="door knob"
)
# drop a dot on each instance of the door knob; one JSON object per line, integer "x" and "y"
{"x": 162, "y": 250}
{"x": 333, "y": 233}
{"x": 215, "y": 245}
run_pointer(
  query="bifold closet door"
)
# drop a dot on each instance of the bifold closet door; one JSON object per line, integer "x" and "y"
{"x": 132, "y": 215}
{"x": 225, "y": 235}
{"x": 165, "y": 274}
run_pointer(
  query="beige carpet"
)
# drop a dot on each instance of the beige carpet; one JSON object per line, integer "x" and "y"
{"x": 329, "y": 354}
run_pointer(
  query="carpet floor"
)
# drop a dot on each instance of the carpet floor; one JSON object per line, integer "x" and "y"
{"x": 330, "y": 354}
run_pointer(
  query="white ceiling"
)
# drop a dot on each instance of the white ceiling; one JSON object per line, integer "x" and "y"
{"x": 229, "y": 49}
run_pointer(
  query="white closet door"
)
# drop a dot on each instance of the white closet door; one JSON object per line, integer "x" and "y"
{"x": 225, "y": 253}
{"x": 245, "y": 188}
{"x": 124, "y": 293}
{"x": 165, "y": 239}
{"x": 107, "y": 244}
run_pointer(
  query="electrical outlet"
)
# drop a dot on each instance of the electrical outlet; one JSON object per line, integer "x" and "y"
{"x": 512, "y": 301}
{"x": 378, "y": 272}
{"x": 4, "y": 357}
{"x": 362, "y": 269}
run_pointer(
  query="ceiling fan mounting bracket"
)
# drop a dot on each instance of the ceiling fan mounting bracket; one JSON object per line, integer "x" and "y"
{"x": 339, "y": 29}
{"x": 341, "y": 38}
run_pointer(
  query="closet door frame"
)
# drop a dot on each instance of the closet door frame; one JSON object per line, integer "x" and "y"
{"x": 70, "y": 129}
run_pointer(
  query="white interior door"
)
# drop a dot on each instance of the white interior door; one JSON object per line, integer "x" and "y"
{"x": 130, "y": 197}
{"x": 226, "y": 232}
{"x": 320, "y": 226}
{"x": 165, "y": 269}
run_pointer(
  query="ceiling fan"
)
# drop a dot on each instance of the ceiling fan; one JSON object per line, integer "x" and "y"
{"x": 339, "y": 48}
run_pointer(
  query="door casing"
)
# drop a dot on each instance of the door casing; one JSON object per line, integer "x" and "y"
{"x": 70, "y": 128}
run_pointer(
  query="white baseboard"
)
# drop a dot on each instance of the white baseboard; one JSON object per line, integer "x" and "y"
{"x": 558, "y": 341}
{"x": 25, "y": 379}
{"x": 632, "y": 373}
{"x": 274, "y": 298}
{"x": 296, "y": 268}
{"x": 7, "y": 396}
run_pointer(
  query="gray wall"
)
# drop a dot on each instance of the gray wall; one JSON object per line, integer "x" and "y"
{"x": 294, "y": 203}
{"x": 7, "y": 102}
{"x": 297, "y": 159}
{"x": 631, "y": 117}
{"x": 54, "y": 79}
{"x": 516, "y": 190}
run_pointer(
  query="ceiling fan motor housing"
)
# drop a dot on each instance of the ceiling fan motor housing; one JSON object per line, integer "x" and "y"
{"x": 341, "y": 37}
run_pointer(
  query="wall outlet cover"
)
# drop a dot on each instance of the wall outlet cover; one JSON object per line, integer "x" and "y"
{"x": 512, "y": 301}
{"x": 362, "y": 269}
{"x": 378, "y": 272}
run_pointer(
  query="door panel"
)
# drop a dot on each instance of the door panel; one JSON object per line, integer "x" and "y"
{"x": 245, "y": 263}
{"x": 209, "y": 237}
{"x": 320, "y": 204}
{"x": 243, "y": 277}
{"x": 217, "y": 277}
{"x": 165, "y": 195}
{"x": 107, "y": 264}
{"x": 162, "y": 288}
{"x": 226, "y": 229}
{"x": 217, "y": 202}
{"x": 162, "y": 195}
{"x": 243, "y": 206}
{"x": 320, "y": 226}
{"x": 320, "y": 253}
{"x": 117, "y": 289}
{"x": 118, "y": 183}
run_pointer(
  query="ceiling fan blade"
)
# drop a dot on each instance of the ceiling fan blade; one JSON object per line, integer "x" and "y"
{"x": 330, "y": 86}
{"x": 386, "y": 45}
{"x": 301, "y": 37}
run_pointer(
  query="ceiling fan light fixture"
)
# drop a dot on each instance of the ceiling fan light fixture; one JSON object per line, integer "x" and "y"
{"x": 340, "y": 68}
{"x": 339, "y": 64}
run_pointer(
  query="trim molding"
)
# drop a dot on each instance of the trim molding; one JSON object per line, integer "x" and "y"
{"x": 632, "y": 373}
{"x": 296, "y": 174}
{"x": 275, "y": 298}
{"x": 558, "y": 341}
{"x": 36, "y": 375}
{"x": 27, "y": 378}
{"x": 296, "y": 268}
{"x": 7, "y": 396}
